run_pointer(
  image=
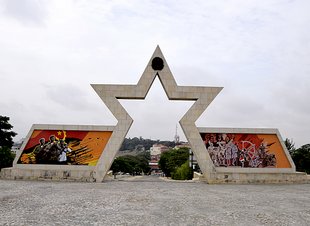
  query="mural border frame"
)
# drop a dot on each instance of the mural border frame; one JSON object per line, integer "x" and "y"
{"x": 58, "y": 127}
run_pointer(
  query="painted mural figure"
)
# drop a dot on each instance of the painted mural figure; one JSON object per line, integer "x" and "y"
{"x": 62, "y": 158}
{"x": 53, "y": 149}
{"x": 49, "y": 152}
{"x": 241, "y": 159}
{"x": 39, "y": 147}
{"x": 39, "y": 151}
{"x": 234, "y": 150}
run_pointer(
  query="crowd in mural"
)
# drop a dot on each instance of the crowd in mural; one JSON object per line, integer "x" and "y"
{"x": 51, "y": 152}
{"x": 226, "y": 151}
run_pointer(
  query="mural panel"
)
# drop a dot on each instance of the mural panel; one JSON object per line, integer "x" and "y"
{"x": 70, "y": 147}
{"x": 245, "y": 150}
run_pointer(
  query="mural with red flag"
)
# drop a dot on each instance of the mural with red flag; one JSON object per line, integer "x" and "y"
{"x": 64, "y": 147}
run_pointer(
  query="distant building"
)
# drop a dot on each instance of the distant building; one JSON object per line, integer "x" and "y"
{"x": 157, "y": 149}
{"x": 155, "y": 152}
{"x": 17, "y": 145}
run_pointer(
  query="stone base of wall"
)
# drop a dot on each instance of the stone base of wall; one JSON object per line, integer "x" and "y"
{"x": 47, "y": 174}
{"x": 257, "y": 178}
{"x": 83, "y": 175}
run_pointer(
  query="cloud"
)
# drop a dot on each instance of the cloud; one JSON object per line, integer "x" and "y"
{"x": 26, "y": 11}
{"x": 68, "y": 96}
{"x": 257, "y": 50}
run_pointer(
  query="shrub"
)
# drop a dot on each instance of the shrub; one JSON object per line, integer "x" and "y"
{"x": 184, "y": 172}
{"x": 172, "y": 159}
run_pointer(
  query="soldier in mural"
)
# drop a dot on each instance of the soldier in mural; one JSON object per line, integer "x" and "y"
{"x": 49, "y": 152}
{"x": 37, "y": 152}
{"x": 39, "y": 147}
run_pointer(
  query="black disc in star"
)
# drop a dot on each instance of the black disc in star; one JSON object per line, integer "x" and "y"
{"x": 157, "y": 64}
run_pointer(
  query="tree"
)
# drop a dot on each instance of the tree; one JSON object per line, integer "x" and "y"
{"x": 290, "y": 145}
{"x": 6, "y": 157}
{"x": 120, "y": 164}
{"x": 172, "y": 159}
{"x": 6, "y": 135}
{"x": 6, "y": 142}
{"x": 301, "y": 158}
{"x": 131, "y": 164}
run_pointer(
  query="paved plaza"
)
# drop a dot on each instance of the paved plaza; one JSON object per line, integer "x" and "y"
{"x": 152, "y": 201}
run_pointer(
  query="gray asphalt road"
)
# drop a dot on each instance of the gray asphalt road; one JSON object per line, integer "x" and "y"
{"x": 152, "y": 201}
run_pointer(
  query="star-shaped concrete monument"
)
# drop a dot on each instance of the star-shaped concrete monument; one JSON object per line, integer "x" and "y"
{"x": 157, "y": 66}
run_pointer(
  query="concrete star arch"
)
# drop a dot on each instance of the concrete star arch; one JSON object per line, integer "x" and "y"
{"x": 110, "y": 94}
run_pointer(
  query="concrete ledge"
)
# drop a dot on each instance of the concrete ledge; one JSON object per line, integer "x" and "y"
{"x": 257, "y": 178}
{"x": 81, "y": 175}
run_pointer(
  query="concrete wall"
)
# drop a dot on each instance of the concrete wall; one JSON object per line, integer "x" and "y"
{"x": 54, "y": 172}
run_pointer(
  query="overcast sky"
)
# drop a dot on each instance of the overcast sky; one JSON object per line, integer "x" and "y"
{"x": 259, "y": 51}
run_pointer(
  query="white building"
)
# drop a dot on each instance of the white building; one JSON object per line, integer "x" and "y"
{"x": 157, "y": 149}
{"x": 155, "y": 152}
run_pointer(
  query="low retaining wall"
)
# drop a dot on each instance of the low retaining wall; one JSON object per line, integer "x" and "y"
{"x": 218, "y": 178}
{"x": 48, "y": 174}
{"x": 257, "y": 178}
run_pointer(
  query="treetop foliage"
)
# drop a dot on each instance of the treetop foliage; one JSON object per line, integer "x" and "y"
{"x": 6, "y": 142}
{"x": 301, "y": 158}
{"x": 6, "y": 135}
{"x": 290, "y": 145}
